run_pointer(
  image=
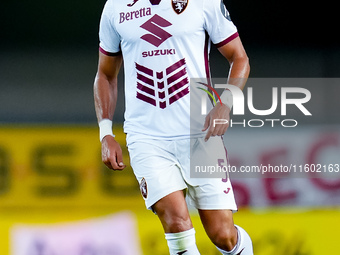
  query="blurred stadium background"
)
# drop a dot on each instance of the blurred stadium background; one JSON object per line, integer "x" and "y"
{"x": 56, "y": 197}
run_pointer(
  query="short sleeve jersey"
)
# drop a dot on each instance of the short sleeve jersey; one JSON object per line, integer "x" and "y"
{"x": 164, "y": 44}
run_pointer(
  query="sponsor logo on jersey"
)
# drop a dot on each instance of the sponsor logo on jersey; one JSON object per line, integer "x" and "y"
{"x": 182, "y": 252}
{"x": 179, "y": 5}
{"x": 155, "y": 26}
{"x": 143, "y": 188}
{"x": 163, "y": 52}
{"x": 161, "y": 89}
{"x": 126, "y": 16}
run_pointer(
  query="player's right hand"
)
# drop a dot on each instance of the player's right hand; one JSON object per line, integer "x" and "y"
{"x": 112, "y": 155}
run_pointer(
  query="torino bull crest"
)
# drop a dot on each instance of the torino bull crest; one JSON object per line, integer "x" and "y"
{"x": 179, "y": 5}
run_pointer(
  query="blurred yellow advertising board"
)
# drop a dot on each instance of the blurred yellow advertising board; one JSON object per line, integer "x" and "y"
{"x": 60, "y": 166}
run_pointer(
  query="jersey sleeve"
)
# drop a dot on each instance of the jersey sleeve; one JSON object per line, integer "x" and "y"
{"x": 108, "y": 36}
{"x": 217, "y": 23}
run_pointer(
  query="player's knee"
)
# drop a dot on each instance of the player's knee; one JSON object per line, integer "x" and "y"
{"x": 173, "y": 221}
{"x": 173, "y": 213}
{"x": 225, "y": 238}
{"x": 178, "y": 223}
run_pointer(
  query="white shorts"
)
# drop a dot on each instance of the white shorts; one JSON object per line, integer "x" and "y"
{"x": 163, "y": 167}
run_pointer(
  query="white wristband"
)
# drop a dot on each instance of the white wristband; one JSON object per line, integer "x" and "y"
{"x": 227, "y": 98}
{"x": 105, "y": 128}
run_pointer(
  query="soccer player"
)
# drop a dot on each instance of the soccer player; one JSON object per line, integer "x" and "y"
{"x": 165, "y": 43}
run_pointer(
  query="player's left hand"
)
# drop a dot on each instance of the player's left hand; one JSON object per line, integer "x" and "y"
{"x": 219, "y": 112}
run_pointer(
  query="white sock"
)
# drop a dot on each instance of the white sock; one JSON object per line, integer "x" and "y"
{"x": 244, "y": 244}
{"x": 182, "y": 243}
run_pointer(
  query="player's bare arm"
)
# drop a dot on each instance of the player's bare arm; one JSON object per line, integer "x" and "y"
{"x": 105, "y": 97}
{"x": 238, "y": 75}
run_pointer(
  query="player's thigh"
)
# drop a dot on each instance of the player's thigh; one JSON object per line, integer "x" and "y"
{"x": 156, "y": 170}
{"x": 173, "y": 212}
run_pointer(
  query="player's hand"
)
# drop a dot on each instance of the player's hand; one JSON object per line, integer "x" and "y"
{"x": 220, "y": 112}
{"x": 112, "y": 155}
